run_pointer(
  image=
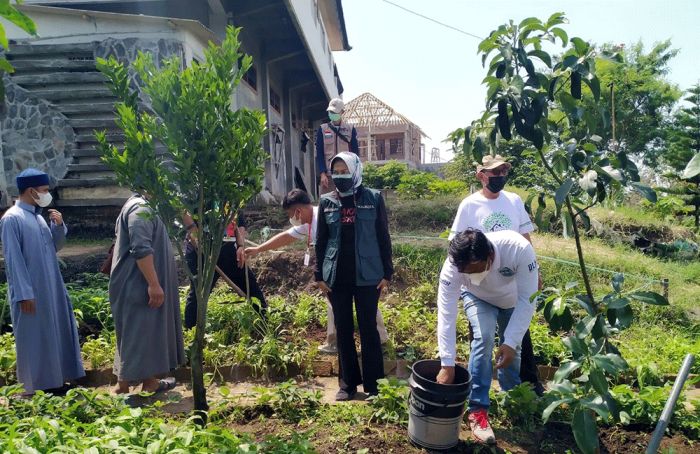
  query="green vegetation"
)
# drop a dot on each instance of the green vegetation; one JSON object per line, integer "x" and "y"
{"x": 90, "y": 421}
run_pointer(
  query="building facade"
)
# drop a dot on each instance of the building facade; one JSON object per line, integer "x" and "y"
{"x": 56, "y": 98}
{"x": 383, "y": 133}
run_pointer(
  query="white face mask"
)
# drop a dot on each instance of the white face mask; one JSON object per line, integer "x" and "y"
{"x": 44, "y": 199}
{"x": 295, "y": 221}
{"x": 477, "y": 278}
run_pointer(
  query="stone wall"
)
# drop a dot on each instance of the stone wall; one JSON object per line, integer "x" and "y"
{"x": 126, "y": 51}
{"x": 34, "y": 134}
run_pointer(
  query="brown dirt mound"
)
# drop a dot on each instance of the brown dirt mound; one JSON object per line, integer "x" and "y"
{"x": 281, "y": 272}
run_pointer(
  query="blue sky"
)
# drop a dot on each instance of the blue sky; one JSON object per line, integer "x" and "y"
{"x": 432, "y": 74}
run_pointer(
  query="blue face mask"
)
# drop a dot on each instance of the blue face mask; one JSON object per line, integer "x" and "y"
{"x": 343, "y": 183}
{"x": 334, "y": 116}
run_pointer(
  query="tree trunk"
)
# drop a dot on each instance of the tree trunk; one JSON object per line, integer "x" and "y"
{"x": 199, "y": 391}
{"x": 579, "y": 250}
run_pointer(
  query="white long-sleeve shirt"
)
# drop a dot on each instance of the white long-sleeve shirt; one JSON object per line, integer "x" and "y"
{"x": 511, "y": 281}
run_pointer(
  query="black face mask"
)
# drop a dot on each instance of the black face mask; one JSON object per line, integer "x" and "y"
{"x": 497, "y": 183}
{"x": 344, "y": 185}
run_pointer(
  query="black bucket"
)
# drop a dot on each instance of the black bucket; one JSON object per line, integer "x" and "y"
{"x": 435, "y": 410}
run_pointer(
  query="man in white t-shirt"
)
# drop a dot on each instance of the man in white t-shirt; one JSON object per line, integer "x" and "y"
{"x": 499, "y": 272}
{"x": 303, "y": 217}
{"x": 490, "y": 210}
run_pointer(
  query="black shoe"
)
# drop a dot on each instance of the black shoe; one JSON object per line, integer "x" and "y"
{"x": 343, "y": 395}
{"x": 539, "y": 389}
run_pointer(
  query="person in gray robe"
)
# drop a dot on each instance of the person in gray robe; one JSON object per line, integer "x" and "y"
{"x": 43, "y": 323}
{"x": 145, "y": 302}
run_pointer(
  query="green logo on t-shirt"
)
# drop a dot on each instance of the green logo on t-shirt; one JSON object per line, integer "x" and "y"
{"x": 497, "y": 221}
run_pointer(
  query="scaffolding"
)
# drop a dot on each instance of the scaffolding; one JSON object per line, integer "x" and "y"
{"x": 435, "y": 155}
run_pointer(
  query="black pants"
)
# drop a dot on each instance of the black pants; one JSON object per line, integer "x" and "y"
{"x": 366, "y": 299}
{"x": 227, "y": 263}
{"x": 528, "y": 365}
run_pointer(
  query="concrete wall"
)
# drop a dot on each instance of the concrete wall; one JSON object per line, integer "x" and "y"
{"x": 310, "y": 27}
{"x": 75, "y": 27}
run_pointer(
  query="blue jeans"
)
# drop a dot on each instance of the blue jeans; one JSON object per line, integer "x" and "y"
{"x": 484, "y": 318}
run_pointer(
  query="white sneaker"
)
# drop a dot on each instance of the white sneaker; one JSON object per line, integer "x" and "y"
{"x": 480, "y": 427}
{"x": 330, "y": 349}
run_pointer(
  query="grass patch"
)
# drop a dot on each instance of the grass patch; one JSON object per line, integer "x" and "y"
{"x": 637, "y": 267}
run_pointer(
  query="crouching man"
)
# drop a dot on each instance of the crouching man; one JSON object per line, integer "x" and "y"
{"x": 498, "y": 272}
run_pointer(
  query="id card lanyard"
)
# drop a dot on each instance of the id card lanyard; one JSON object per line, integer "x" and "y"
{"x": 307, "y": 256}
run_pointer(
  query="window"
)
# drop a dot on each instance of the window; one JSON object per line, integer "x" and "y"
{"x": 380, "y": 149}
{"x": 395, "y": 146}
{"x": 251, "y": 78}
{"x": 275, "y": 101}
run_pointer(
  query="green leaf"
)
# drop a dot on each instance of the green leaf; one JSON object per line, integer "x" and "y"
{"x": 580, "y": 45}
{"x": 625, "y": 316}
{"x": 594, "y": 85}
{"x": 617, "y": 280}
{"x": 565, "y": 370}
{"x": 569, "y": 61}
{"x": 537, "y": 138}
{"x": 542, "y": 55}
{"x": 576, "y": 345}
{"x": 553, "y": 406}
{"x": 565, "y": 388}
{"x": 563, "y": 191}
{"x": 17, "y": 17}
{"x": 598, "y": 381}
{"x": 693, "y": 168}
{"x": 597, "y": 404}
{"x": 6, "y": 66}
{"x": 646, "y": 191}
{"x": 610, "y": 362}
{"x": 649, "y": 298}
{"x": 585, "y": 431}
{"x": 618, "y": 303}
{"x": 560, "y": 162}
{"x": 585, "y": 326}
{"x": 561, "y": 34}
{"x": 3, "y": 39}
{"x": 568, "y": 103}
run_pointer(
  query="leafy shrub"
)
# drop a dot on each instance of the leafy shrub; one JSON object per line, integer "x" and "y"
{"x": 391, "y": 403}
{"x": 99, "y": 351}
{"x": 416, "y": 185}
{"x": 668, "y": 208}
{"x": 386, "y": 176}
{"x": 519, "y": 406}
{"x": 289, "y": 402}
{"x": 548, "y": 347}
{"x": 461, "y": 168}
{"x": 92, "y": 421}
{"x": 91, "y": 305}
{"x": 447, "y": 187}
{"x": 8, "y": 358}
{"x": 645, "y": 406}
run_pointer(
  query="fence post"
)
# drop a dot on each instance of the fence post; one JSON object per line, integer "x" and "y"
{"x": 664, "y": 286}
